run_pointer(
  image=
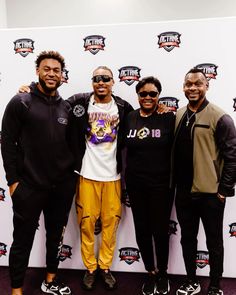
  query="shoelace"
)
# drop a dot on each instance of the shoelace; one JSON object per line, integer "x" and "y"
{"x": 57, "y": 283}
{"x": 188, "y": 286}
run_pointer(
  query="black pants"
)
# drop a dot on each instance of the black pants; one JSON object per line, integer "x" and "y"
{"x": 151, "y": 212}
{"x": 210, "y": 210}
{"x": 28, "y": 204}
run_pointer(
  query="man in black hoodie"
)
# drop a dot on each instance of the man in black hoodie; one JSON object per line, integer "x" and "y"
{"x": 38, "y": 161}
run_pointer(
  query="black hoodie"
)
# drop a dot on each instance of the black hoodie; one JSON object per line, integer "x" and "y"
{"x": 35, "y": 141}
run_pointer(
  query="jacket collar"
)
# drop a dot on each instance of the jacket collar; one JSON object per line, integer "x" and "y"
{"x": 48, "y": 99}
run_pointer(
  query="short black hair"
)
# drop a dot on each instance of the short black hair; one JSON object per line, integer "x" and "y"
{"x": 196, "y": 70}
{"x": 104, "y": 68}
{"x": 147, "y": 80}
{"x": 50, "y": 54}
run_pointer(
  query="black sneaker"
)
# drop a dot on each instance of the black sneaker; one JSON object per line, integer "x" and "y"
{"x": 149, "y": 286}
{"x": 215, "y": 291}
{"x": 108, "y": 279}
{"x": 189, "y": 288}
{"x": 88, "y": 282}
{"x": 55, "y": 287}
{"x": 162, "y": 285}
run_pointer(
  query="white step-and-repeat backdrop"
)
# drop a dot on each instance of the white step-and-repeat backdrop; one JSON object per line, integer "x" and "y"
{"x": 164, "y": 49}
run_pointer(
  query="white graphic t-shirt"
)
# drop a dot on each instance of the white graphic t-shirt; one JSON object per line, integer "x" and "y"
{"x": 99, "y": 161}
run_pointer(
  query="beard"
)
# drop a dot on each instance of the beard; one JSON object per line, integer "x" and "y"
{"x": 47, "y": 89}
{"x": 101, "y": 96}
{"x": 197, "y": 102}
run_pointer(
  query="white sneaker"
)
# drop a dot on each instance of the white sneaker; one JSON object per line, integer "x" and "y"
{"x": 55, "y": 287}
{"x": 189, "y": 288}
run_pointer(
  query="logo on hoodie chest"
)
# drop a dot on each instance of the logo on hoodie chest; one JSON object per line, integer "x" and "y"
{"x": 62, "y": 121}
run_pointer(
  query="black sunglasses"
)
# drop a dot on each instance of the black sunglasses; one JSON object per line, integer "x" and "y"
{"x": 150, "y": 93}
{"x": 103, "y": 78}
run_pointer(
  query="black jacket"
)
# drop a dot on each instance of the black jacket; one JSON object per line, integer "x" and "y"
{"x": 79, "y": 103}
{"x": 35, "y": 139}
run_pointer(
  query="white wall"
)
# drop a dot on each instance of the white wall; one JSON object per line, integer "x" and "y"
{"x": 3, "y": 16}
{"x": 43, "y": 13}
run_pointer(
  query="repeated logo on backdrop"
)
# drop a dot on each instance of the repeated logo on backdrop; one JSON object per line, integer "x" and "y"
{"x": 171, "y": 102}
{"x": 129, "y": 74}
{"x": 202, "y": 259}
{"x": 234, "y": 105}
{"x": 65, "y": 252}
{"x": 24, "y": 46}
{"x": 129, "y": 255}
{"x": 94, "y": 43}
{"x": 209, "y": 69}
{"x": 232, "y": 229}
{"x": 65, "y": 76}
{"x": 2, "y": 194}
{"x": 3, "y": 249}
{"x": 169, "y": 40}
{"x": 172, "y": 227}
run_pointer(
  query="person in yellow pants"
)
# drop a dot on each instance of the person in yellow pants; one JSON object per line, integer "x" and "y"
{"x": 98, "y": 199}
{"x": 99, "y": 124}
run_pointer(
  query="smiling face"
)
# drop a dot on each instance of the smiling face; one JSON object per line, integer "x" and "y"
{"x": 102, "y": 87}
{"x": 50, "y": 75}
{"x": 195, "y": 88}
{"x": 148, "y": 98}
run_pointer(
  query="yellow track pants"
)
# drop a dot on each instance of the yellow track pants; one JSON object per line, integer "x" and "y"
{"x": 96, "y": 199}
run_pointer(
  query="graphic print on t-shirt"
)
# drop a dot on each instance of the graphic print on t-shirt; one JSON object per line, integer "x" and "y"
{"x": 144, "y": 132}
{"x": 103, "y": 127}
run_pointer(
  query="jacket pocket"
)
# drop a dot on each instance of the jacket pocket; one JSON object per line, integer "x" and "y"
{"x": 202, "y": 126}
